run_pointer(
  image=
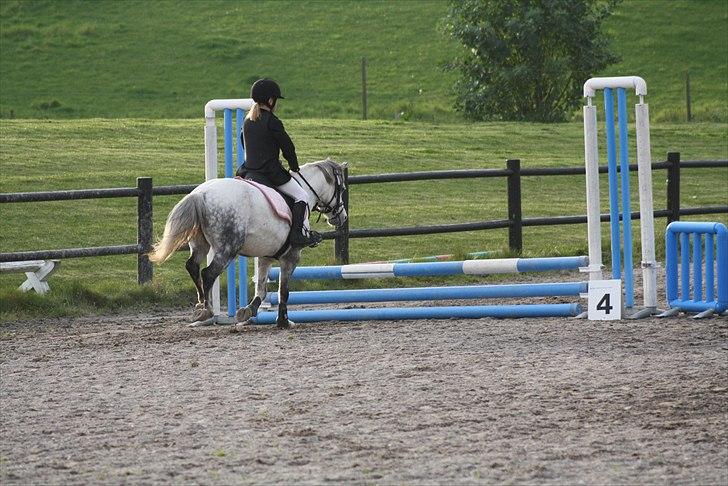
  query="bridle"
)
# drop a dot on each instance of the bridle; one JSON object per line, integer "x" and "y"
{"x": 335, "y": 209}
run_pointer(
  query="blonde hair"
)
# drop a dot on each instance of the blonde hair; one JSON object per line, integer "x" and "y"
{"x": 254, "y": 112}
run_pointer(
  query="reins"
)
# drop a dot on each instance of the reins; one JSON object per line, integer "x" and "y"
{"x": 327, "y": 208}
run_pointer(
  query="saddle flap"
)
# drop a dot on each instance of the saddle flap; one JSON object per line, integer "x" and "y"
{"x": 275, "y": 199}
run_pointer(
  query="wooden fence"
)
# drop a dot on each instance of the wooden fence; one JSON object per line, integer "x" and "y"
{"x": 514, "y": 220}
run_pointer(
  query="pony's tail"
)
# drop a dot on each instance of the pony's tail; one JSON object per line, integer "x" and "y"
{"x": 183, "y": 223}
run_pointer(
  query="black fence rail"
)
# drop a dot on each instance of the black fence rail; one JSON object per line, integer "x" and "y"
{"x": 514, "y": 221}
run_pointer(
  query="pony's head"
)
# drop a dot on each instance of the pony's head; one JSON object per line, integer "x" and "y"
{"x": 328, "y": 185}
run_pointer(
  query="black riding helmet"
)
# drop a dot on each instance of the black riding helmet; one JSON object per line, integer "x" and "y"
{"x": 263, "y": 89}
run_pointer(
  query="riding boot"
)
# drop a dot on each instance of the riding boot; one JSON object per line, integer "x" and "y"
{"x": 299, "y": 238}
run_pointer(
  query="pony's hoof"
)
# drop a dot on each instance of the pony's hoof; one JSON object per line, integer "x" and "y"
{"x": 283, "y": 324}
{"x": 244, "y": 315}
{"x": 201, "y": 315}
{"x": 200, "y": 306}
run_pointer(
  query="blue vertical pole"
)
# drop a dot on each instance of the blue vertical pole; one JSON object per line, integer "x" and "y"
{"x": 228, "y": 137}
{"x": 721, "y": 241}
{"x": 709, "y": 272}
{"x": 671, "y": 265}
{"x": 697, "y": 268}
{"x": 626, "y": 207}
{"x": 242, "y": 261}
{"x": 685, "y": 266}
{"x": 613, "y": 183}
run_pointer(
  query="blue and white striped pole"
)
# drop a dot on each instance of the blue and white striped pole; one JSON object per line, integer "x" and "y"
{"x": 431, "y": 269}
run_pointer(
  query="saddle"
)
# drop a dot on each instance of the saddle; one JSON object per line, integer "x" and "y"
{"x": 281, "y": 204}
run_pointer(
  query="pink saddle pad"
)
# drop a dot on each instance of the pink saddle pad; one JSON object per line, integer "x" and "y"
{"x": 274, "y": 198}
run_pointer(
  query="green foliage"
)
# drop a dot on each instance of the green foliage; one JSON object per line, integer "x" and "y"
{"x": 526, "y": 60}
{"x": 155, "y": 59}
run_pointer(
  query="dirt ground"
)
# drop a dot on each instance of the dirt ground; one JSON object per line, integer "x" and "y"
{"x": 146, "y": 399}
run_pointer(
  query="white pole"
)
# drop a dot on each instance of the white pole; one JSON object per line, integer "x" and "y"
{"x": 211, "y": 173}
{"x": 647, "y": 221}
{"x": 591, "y": 156}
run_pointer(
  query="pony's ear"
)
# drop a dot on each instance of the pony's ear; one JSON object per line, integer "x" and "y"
{"x": 344, "y": 165}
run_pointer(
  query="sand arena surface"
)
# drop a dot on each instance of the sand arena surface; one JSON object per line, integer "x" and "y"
{"x": 145, "y": 399}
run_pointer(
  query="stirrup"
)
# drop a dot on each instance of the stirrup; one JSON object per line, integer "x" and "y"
{"x": 311, "y": 240}
{"x": 315, "y": 238}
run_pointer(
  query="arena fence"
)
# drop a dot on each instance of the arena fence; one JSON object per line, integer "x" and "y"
{"x": 514, "y": 220}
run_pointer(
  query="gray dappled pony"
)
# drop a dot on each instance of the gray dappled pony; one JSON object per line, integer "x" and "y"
{"x": 233, "y": 218}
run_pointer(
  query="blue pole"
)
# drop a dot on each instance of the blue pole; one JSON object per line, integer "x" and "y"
{"x": 551, "y": 263}
{"x": 399, "y": 313}
{"x": 685, "y": 265}
{"x": 722, "y": 266}
{"x": 626, "y": 207}
{"x": 671, "y": 263}
{"x": 613, "y": 183}
{"x": 228, "y": 138}
{"x": 709, "y": 264}
{"x": 434, "y": 293}
{"x": 697, "y": 268}
{"x": 242, "y": 261}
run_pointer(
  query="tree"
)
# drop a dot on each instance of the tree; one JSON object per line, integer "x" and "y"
{"x": 527, "y": 59}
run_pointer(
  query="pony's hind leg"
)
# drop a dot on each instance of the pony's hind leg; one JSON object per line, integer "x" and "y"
{"x": 198, "y": 249}
{"x": 251, "y": 310}
{"x": 209, "y": 275}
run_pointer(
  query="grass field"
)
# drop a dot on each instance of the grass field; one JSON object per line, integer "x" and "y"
{"x": 78, "y": 59}
{"x": 112, "y": 153}
{"x": 103, "y": 92}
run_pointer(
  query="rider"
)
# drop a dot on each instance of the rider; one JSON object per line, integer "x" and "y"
{"x": 264, "y": 138}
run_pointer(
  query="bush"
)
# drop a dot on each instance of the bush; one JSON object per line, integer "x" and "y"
{"x": 526, "y": 59}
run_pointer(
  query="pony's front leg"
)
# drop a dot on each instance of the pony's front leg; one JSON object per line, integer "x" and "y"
{"x": 251, "y": 310}
{"x": 288, "y": 264}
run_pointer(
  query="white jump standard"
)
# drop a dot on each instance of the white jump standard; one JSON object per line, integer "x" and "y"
{"x": 644, "y": 164}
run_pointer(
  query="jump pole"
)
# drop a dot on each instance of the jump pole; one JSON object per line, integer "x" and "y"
{"x": 459, "y": 292}
{"x": 420, "y": 269}
{"x": 644, "y": 164}
{"x": 432, "y": 269}
{"x": 445, "y": 312}
{"x": 227, "y": 106}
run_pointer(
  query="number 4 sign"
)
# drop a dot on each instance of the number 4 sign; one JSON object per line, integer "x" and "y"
{"x": 605, "y": 300}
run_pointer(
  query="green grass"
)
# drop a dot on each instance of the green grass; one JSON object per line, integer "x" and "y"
{"x": 106, "y": 91}
{"x": 73, "y": 154}
{"x": 164, "y": 59}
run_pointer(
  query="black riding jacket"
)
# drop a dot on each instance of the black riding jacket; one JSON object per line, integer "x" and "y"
{"x": 263, "y": 140}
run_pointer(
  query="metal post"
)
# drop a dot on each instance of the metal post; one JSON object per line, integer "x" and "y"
{"x": 687, "y": 96}
{"x": 364, "y": 87}
{"x": 144, "y": 229}
{"x": 673, "y": 186}
{"x": 341, "y": 242}
{"x": 515, "y": 216}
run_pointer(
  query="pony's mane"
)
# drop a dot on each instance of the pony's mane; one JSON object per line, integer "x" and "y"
{"x": 328, "y": 166}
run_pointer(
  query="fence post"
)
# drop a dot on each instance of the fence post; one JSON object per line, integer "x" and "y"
{"x": 364, "y": 87}
{"x": 673, "y": 186}
{"x": 144, "y": 229}
{"x": 515, "y": 230}
{"x": 341, "y": 241}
